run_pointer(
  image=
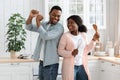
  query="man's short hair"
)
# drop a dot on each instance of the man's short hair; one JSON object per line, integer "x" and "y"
{"x": 55, "y": 7}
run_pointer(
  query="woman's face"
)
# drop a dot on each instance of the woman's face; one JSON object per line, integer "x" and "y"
{"x": 72, "y": 26}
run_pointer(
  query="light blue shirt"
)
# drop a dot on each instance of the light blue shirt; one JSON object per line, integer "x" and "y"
{"x": 43, "y": 46}
{"x": 51, "y": 38}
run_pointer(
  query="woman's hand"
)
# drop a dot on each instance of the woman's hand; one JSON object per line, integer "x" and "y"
{"x": 96, "y": 36}
{"x": 75, "y": 52}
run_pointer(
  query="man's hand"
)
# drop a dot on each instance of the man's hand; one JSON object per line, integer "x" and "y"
{"x": 38, "y": 19}
{"x": 75, "y": 52}
{"x": 34, "y": 13}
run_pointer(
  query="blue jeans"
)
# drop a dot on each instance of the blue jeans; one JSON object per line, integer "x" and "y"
{"x": 79, "y": 73}
{"x": 48, "y": 72}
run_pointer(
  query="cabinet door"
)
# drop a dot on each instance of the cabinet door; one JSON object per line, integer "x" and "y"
{"x": 21, "y": 73}
{"x": 59, "y": 77}
{"x": 60, "y": 66}
{"x": 114, "y": 71}
{"x": 94, "y": 69}
{"x": 116, "y": 76}
{"x": 105, "y": 73}
{"x": 15, "y": 71}
{"x": 35, "y": 66}
{"x": 5, "y": 73}
{"x": 109, "y": 71}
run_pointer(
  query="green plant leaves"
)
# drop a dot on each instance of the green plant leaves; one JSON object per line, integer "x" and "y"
{"x": 16, "y": 35}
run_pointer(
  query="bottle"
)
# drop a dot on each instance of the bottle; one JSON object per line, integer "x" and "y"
{"x": 97, "y": 46}
{"x": 111, "y": 52}
{"x": 116, "y": 48}
{"x": 98, "y": 50}
{"x": 119, "y": 52}
{"x": 109, "y": 44}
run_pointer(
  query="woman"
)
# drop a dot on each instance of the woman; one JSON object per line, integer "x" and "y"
{"x": 73, "y": 48}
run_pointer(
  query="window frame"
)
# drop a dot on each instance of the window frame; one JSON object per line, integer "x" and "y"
{"x": 64, "y": 4}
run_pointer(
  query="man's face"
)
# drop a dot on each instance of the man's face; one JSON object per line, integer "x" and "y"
{"x": 55, "y": 16}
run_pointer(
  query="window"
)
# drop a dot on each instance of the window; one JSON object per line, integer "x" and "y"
{"x": 91, "y": 11}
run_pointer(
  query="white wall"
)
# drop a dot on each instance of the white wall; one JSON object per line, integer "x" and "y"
{"x": 112, "y": 19}
{"x": 8, "y": 7}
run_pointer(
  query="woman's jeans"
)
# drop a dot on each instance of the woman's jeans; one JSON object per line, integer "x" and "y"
{"x": 48, "y": 72}
{"x": 79, "y": 73}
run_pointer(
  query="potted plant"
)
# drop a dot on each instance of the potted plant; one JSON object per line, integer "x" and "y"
{"x": 16, "y": 35}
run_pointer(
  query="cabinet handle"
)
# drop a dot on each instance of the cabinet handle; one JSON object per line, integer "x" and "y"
{"x": 113, "y": 64}
{"x": 102, "y": 61}
{"x": 14, "y": 63}
{"x": 102, "y": 70}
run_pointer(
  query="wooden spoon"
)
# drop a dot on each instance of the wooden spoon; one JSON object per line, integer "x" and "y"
{"x": 95, "y": 28}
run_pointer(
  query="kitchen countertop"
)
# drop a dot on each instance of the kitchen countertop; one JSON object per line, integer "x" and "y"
{"x": 92, "y": 57}
{"x": 8, "y": 60}
{"x": 115, "y": 60}
{"x": 110, "y": 59}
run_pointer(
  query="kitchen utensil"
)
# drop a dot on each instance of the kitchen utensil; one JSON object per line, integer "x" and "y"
{"x": 79, "y": 43}
{"x": 95, "y": 28}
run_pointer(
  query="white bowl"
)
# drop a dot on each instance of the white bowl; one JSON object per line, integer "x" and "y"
{"x": 100, "y": 53}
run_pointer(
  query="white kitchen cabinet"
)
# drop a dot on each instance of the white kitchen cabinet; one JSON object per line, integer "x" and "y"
{"x": 59, "y": 77}
{"x": 5, "y": 73}
{"x": 60, "y": 67}
{"x": 109, "y": 71}
{"x": 94, "y": 69}
{"x": 114, "y": 71}
{"x": 104, "y": 70}
{"x": 16, "y": 71}
{"x": 35, "y": 66}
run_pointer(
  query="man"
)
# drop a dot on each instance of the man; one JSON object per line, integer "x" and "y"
{"x": 46, "y": 47}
